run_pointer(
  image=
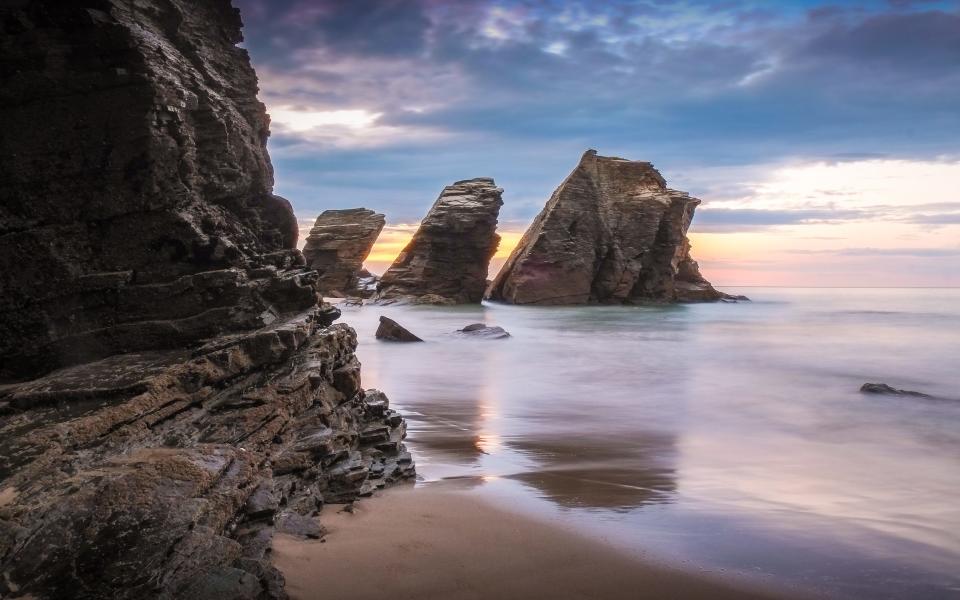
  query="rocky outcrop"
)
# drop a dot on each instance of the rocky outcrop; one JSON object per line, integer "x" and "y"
{"x": 171, "y": 392}
{"x": 446, "y": 262}
{"x": 391, "y": 331}
{"x": 137, "y": 207}
{"x": 611, "y": 233}
{"x": 337, "y": 246}
{"x": 165, "y": 473}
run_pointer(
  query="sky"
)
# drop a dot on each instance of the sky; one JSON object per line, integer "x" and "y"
{"x": 822, "y": 137}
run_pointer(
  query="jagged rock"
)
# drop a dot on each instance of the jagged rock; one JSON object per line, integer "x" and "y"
{"x": 883, "y": 388}
{"x": 337, "y": 246}
{"x": 392, "y": 331}
{"x": 481, "y": 330}
{"x": 446, "y": 262}
{"x": 170, "y": 383}
{"x": 611, "y": 233}
{"x": 258, "y": 421}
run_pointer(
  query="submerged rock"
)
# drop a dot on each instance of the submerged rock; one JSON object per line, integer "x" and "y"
{"x": 337, "y": 246}
{"x": 446, "y": 262}
{"x": 392, "y": 331}
{"x": 171, "y": 386}
{"x": 481, "y": 330}
{"x": 883, "y": 388}
{"x": 611, "y": 233}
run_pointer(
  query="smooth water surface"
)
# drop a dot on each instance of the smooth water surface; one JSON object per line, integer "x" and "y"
{"x": 731, "y": 437}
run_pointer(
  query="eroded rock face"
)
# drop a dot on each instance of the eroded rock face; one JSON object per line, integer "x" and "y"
{"x": 137, "y": 207}
{"x": 337, "y": 246}
{"x": 165, "y": 473}
{"x": 446, "y": 262}
{"x": 611, "y": 233}
{"x": 171, "y": 392}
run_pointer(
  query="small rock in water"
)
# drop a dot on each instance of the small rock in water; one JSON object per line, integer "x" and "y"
{"x": 392, "y": 331}
{"x": 483, "y": 331}
{"x": 882, "y": 388}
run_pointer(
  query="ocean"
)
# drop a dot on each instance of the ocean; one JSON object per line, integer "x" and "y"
{"x": 729, "y": 438}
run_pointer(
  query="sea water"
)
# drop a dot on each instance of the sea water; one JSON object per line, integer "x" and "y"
{"x": 731, "y": 438}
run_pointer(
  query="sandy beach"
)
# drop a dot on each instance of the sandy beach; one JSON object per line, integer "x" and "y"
{"x": 426, "y": 543}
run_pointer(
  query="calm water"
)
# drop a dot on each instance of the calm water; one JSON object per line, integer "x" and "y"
{"x": 731, "y": 437}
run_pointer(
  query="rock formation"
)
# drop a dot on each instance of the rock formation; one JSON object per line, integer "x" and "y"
{"x": 889, "y": 390}
{"x": 337, "y": 246}
{"x": 171, "y": 392}
{"x": 484, "y": 331}
{"x": 446, "y": 262}
{"x": 611, "y": 233}
{"x": 391, "y": 331}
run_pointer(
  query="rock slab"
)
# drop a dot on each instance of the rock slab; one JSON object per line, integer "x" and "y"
{"x": 611, "y": 233}
{"x": 337, "y": 246}
{"x": 447, "y": 260}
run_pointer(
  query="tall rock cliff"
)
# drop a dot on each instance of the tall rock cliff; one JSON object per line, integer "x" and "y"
{"x": 611, "y": 233}
{"x": 337, "y": 246}
{"x": 137, "y": 207}
{"x": 171, "y": 393}
{"x": 446, "y": 262}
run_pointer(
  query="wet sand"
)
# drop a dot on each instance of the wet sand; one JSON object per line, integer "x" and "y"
{"x": 426, "y": 543}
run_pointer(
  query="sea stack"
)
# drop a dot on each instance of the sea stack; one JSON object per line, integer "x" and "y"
{"x": 611, "y": 233}
{"x": 337, "y": 246}
{"x": 446, "y": 262}
{"x": 171, "y": 392}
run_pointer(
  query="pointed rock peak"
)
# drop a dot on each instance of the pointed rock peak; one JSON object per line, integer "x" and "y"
{"x": 446, "y": 262}
{"x": 611, "y": 233}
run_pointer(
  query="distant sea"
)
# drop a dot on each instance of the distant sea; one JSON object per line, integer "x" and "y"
{"x": 725, "y": 437}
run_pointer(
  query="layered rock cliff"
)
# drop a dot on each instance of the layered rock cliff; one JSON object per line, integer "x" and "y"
{"x": 611, "y": 233}
{"x": 337, "y": 246}
{"x": 446, "y": 262}
{"x": 137, "y": 206}
{"x": 172, "y": 394}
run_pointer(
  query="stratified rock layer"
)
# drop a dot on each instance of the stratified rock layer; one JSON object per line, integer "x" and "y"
{"x": 611, "y": 233}
{"x": 337, "y": 246}
{"x": 136, "y": 209}
{"x": 171, "y": 393}
{"x": 165, "y": 473}
{"x": 446, "y": 262}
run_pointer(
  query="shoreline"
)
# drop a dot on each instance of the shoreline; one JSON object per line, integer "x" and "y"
{"x": 423, "y": 542}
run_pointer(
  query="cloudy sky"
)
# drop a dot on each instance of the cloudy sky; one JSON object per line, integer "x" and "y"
{"x": 823, "y": 137}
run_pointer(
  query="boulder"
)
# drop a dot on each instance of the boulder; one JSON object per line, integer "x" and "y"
{"x": 337, "y": 246}
{"x": 447, "y": 260}
{"x": 481, "y": 330}
{"x": 391, "y": 331}
{"x": 611, "y": 233}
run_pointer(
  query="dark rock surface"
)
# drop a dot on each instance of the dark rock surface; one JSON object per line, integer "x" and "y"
{"x": 172, "y": 394}
{"x": 446, "y": 262}
{"x": 337, "y": 246}
{"x": 883, "y": 388}
{"x": 391, "y": 331}
{"x": 611, "y": 233}
{"x": 481, "y": 330}
{"x": 137, "y": 207}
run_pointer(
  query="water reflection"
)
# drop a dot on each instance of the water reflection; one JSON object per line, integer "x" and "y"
{"x": 601, "y": 472}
